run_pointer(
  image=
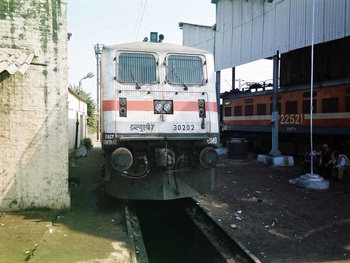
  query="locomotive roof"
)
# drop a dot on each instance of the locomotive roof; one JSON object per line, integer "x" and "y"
{"x": 155, "y": 47}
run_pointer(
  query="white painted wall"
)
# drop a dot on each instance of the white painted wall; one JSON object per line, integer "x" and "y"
{"x": 77, "y": 110}
{"x": 33, "y": 108}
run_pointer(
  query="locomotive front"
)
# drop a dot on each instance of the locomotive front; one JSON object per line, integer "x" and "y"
{"x": 159, "y": 121}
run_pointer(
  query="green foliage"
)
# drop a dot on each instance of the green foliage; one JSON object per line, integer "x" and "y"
{"x": 91, "y": 107}
{"x": 87, "y": 142}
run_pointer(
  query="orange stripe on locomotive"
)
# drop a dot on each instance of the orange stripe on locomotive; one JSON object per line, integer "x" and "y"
{"x": 113, "y": 105}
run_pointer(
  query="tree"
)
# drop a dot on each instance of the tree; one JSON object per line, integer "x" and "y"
{"x": 91, "y": 108}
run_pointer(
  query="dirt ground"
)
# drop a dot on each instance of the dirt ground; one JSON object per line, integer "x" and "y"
{"x": 278, "y": 221}
{"x": 93, "y": 230}
{"x": 255, "y": 203}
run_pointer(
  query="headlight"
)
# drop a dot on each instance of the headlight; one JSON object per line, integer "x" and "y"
{"x": 158, "y": 106}
{"x": 200, "y": 103}
{"x": 201, "y": 108}
{"x": 122, "y": 101}
{"x": 163, "y": 107}
{"x": 122, "y": 107}
{"x": 167, "y": 106}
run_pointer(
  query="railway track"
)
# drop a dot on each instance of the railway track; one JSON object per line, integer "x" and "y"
{"x": 139, "y": 253}
{"x": 229, "y": 249}
{"x": 180, "y": 231}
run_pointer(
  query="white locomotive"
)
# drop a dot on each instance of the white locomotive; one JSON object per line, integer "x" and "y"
{"x": 159, "y": 121}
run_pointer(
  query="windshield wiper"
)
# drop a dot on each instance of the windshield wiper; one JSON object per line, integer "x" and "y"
{"x": 178, "y": 79}
{"x": 133, "y": 79}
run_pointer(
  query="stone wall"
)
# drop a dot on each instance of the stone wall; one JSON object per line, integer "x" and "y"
{"x": 33, "y": 107}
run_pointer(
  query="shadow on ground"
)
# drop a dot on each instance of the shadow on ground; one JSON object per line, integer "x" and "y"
{"x": 93, "y": 229}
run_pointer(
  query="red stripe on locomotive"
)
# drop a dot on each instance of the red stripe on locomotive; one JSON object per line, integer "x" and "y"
{"x": 113, "y": 105}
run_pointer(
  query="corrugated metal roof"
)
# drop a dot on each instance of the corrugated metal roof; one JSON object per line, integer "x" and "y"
{"x": 248, "y": 30}
{"x": 15, "y": 60}
{"x": 202, "y": 37}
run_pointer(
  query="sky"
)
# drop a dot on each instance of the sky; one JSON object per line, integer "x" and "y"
{"x": 112, "y": 22}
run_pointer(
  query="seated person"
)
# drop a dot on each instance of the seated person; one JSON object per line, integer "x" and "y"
{"x": 340, "y": 164}
{"x": 325, "y": 168}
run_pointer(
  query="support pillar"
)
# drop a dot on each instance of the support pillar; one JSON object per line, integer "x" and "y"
{"x": 274, "y": 118}
{"x": 218, "y": 86}
{"x": 233, "y": 81}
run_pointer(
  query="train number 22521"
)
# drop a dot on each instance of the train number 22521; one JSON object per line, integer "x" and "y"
{"x": 291, "y": 119}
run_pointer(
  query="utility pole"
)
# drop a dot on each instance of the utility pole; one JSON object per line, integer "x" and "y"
{"x": 274, "y": 118}
{"x": 88, "y": 76}
{"x": 98, "y": 52}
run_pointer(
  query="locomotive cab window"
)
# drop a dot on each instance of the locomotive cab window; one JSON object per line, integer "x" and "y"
{"x": 136, "y": 67}
{"x": 185, "y": 70}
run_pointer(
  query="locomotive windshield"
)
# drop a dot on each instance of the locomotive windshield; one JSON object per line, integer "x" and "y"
{"x": 185, "y": 70}
{"x": 138, "y": 68}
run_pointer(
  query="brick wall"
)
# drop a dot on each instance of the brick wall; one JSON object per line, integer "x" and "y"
{"x": 33, "y": 107}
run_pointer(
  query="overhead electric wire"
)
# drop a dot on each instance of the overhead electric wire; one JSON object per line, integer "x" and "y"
{"x": 139, "y": 22}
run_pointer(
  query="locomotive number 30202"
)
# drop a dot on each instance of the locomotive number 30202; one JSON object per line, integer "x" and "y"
{"x": 183, "y": 127}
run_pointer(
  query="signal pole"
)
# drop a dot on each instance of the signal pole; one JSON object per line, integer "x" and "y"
{"x": 98, "y": 52}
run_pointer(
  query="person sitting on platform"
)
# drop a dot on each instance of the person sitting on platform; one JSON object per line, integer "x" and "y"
{"x": 340, "y": 164}
{"x": 325, "y": 168}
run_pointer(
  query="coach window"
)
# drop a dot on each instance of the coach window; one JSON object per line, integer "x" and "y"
{"x": 136, "y": 67}
{"x": 291, "y": 107}
{"x": 228, "y": 111}
{"x": 185, "y": 70}
{"x": 330, "y": 105}
{"x": 347, "y": 104}
{"x": 278, "y": 108}
{"x": 261, "y": 109}
{"x": 237, "y": 111}
{"x": 306, "y": 106}
{"x": 249, "y": 110}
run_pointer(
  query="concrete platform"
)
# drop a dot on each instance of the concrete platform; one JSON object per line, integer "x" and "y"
{"x": 276, "y": 161}
{"x": 311, "y": 181}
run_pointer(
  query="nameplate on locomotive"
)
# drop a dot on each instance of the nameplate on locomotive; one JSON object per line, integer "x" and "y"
{"x": 141, "y": 127}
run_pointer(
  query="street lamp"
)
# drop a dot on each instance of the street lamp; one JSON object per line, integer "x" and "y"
{"x": 88, "y": 76}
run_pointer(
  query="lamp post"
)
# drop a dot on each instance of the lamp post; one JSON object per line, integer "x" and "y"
{"x": 98, "y": 52}
{"x": 88, "y": 76}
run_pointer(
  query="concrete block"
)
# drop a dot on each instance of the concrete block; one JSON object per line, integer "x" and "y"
{"x": 276, "y": 160}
